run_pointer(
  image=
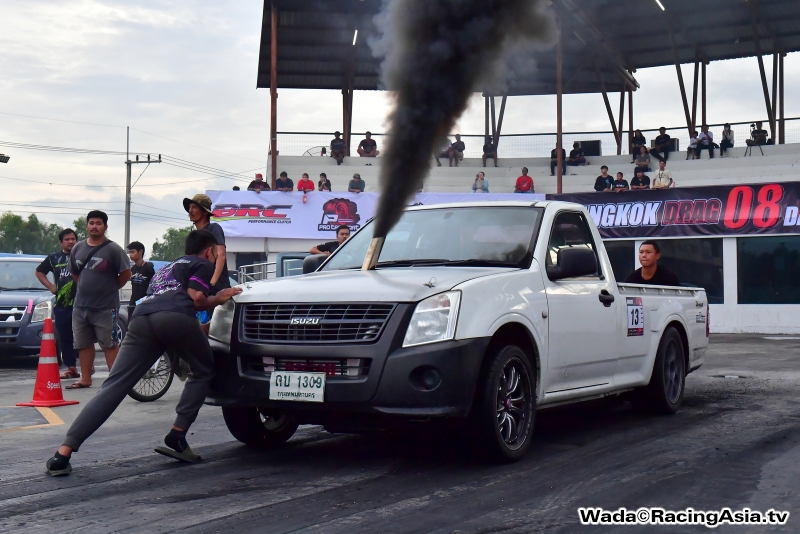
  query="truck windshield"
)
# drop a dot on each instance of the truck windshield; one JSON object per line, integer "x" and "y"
{"x": 19, "y": 275}
{"x": 469, "y": 236}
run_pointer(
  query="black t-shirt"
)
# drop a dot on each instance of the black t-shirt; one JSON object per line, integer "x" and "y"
{"x": 755, "y": 134}
{"x": 330, "y": 246}
{"x": 621, "y": 183}
{"x": 288, "y": 184}
{"x": 58, "y": 264}
{"x": 644, "y": 181}
{"x": 602, "y": 183}
{"x": 576, "y": 153}
{"x": 663, "y": 139}
{"x": 489, "y": 148}
{"x": 324, "y": 185}
{"x": 663, "y": 277}
{"x": 169, "y": 288}
{"x": 459, "y": 146}
{"x": 554, "y": 154}
{"x": 337, "y": 144}
{"x": 639, "y": 140}
{"x": 219, "y": 234}
{"x": 368, "y": 145}
{"x": 140, "y": 280}
{"x": 258, "y": 185}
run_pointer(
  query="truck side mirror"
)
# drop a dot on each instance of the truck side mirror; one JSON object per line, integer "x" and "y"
{"x": 312, "y": 263}
{"x": 573, "y": 262}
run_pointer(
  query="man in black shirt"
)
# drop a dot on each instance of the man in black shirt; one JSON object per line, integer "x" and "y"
{"x": 338, "y": 148}
{"x": 258, "y": 184}
{"x": 199, "y": 209}
{"x": 284, "y": 183}
{"x": 489, "y": 151}
{"x": 456, "y": 151}
{"x": 164, "y": 320}
{"x": 663, "y": 144}
{"x": 141, "y": 274}
{"x": 620, "y": 184}
{"x": 640, "y": 181}
{"x": 758, "y": 136}
{"x": 368, "y": 148}
{"x": 342, "y": 234}
{"x": 554, "y": 161}
{"x": 604, "y": 182}
{"x": 64, "y": 290}
{"x": 650, "y": 273}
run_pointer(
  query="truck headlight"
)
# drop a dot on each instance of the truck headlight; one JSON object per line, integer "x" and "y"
{"x": 222, "y": 323}
{"x": 42, "y": 311}
{"x": 434, "y": 319}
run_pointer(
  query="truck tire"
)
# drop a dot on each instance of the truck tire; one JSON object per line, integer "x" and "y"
{"x": 253, "y": 426}
{"x": 505, "y": 408}
{"x": 664, "y": 393}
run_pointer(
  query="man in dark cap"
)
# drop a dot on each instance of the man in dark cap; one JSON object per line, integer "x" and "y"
{"x": 199, "y": 209}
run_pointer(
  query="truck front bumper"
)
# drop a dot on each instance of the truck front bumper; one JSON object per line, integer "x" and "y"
{"x": 434, "y": 380}
{"x": 21, "y": 337}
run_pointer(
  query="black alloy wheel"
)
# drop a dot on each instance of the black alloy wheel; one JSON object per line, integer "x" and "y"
{"x": 664, "y": 393}
{"x": 506, "y": 407}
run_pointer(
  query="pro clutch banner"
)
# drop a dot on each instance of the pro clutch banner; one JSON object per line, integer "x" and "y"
{"x": 277, "y": 214}
{"x": 694, "y": 211}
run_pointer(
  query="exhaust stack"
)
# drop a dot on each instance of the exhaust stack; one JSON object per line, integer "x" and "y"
{"x": 373, "y": 253}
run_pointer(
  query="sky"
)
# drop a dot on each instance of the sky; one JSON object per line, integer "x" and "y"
{"x": 182, "y": 76}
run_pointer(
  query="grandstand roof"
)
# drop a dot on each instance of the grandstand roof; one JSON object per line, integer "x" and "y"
{"x": 315, "y": 40}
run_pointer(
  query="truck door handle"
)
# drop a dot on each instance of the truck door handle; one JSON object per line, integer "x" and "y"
{"x": 606, "y": 298}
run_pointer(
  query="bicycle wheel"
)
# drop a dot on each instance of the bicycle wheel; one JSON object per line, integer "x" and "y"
{"x": 154, "y": 383}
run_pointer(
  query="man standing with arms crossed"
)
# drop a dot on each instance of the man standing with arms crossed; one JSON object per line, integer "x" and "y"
{"x": 64, "y": 290}
{"x": 100, "y": 268}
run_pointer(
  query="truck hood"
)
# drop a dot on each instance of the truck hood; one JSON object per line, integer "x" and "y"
{"x": 11, "y": 297}
{"x": 398, "y": 284}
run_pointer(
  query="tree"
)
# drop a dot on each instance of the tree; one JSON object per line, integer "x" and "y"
{"x": 80, "y": 228}
{"x": 173, "y": 245}
{"x": 31, "y": 236}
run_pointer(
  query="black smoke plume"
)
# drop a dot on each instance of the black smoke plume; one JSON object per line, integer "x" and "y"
{"x": 437, "y": 53}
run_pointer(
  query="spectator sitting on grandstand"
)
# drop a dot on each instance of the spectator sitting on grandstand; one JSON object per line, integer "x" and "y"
{"x": 368, "y": 148}
{"x": 727, "y": 140}
{"x": 554, "y": 161}
{"x": 258, "y": 184}
{"x": 456, "y": 151}
{"x": 663, "y": 177}
{"x": 305, "y": 184}
{"x": 620, "y": 184}
{"x": 444, "y": 152}
{"x": 576, "y": 156}
{"x": 642, "y": 160}
{"x": 324, "y": 184}
{"x": 638, "y": 140}
{"x": 284, "y": 183}
{"x": 691, "y": 150}
{"x": 236, "y": 188}
{"x": 705, "y": 141}
{"x": 641, "y": 180}
{"x": 489, "y": 151}
{"x": 356, "y": 185}
{"x": 604, "y": 182}
{"x": 758, "y": 136}
{"x": 481, "y": 184}
{"x": 338, "y": 148}
{"x": 663, "y": 144}
{"x": 524, "y": 183}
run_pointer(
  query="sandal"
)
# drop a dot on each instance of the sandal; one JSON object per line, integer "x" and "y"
{"x": 70, "y": 373}
{"x": 78, "y": 385}
{"x": 186, "y": 456}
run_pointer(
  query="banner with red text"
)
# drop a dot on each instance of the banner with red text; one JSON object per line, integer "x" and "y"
{"x": 770, "y": 208}
{"x": 317, "y": 214}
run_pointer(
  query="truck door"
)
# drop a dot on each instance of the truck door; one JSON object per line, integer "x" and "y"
{"x": 582, "y": 313}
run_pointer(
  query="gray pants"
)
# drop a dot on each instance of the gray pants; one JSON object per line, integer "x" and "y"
{"x": 148, "y": 337}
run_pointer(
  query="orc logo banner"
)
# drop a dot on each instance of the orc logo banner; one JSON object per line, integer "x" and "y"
{"x": 251, "y": 212}
{"x": 694, "y": 211}
{"x": 339, "y": 211}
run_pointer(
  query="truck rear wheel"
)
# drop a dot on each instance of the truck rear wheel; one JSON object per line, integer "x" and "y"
{"x": 505, "y": 409}
{"x": 664, "y": 393}
{"x": 258, "y": 428}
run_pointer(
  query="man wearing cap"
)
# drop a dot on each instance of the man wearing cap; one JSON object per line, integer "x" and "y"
{"x": 338, "y": 148}
{"x": 258, "y": 184}
{"x": 199, "y": 209}
{"x": 368, "y": 148}
{"x": 284, "y": 183}
{"x": 356, "y": 184}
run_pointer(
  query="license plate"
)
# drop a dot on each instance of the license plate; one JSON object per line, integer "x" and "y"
{"x": 292, "y": 386}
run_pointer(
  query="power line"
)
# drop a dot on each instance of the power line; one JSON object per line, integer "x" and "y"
{"x": 61, "y": 120}
{"x": 195, "y": 146}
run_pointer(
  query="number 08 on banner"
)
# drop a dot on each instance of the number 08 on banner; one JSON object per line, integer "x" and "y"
{"x": 635, "y": 316}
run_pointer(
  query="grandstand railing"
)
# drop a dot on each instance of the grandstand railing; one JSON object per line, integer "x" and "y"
{"x": 531, "y": 145}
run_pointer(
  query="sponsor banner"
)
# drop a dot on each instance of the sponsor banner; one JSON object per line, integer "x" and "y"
{"x": 694, "y": 211}
{"x": 317, "y": 214}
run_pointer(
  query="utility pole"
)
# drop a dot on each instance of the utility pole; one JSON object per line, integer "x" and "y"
{"x": 128, "y": 185}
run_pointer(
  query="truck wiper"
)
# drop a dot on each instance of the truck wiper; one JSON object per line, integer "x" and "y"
{"x": 409, "y": 263}
{"x": 481, "y": 263}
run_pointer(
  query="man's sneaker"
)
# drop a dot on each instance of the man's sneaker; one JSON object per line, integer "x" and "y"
{"x": 58, "y": 465}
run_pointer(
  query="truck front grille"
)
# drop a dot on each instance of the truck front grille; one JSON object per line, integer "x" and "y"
{"x": 314, "y": 323}
{"x": 11, "y": 314}
{"x": 352, "y": 367}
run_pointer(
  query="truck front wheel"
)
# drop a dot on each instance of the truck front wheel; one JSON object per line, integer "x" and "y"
{"x": 504, "y": 411}
{"x": 664, "y": 393}
{"x": 258, "y": 428}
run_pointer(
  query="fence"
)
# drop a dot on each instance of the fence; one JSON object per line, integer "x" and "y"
{"x": 529, "y": 145}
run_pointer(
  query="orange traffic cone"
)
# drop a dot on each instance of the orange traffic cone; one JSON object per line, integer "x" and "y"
{"x": 47, "y": 391}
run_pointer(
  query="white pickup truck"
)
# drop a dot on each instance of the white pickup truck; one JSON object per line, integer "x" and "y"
{"x": 484, "y": 311}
